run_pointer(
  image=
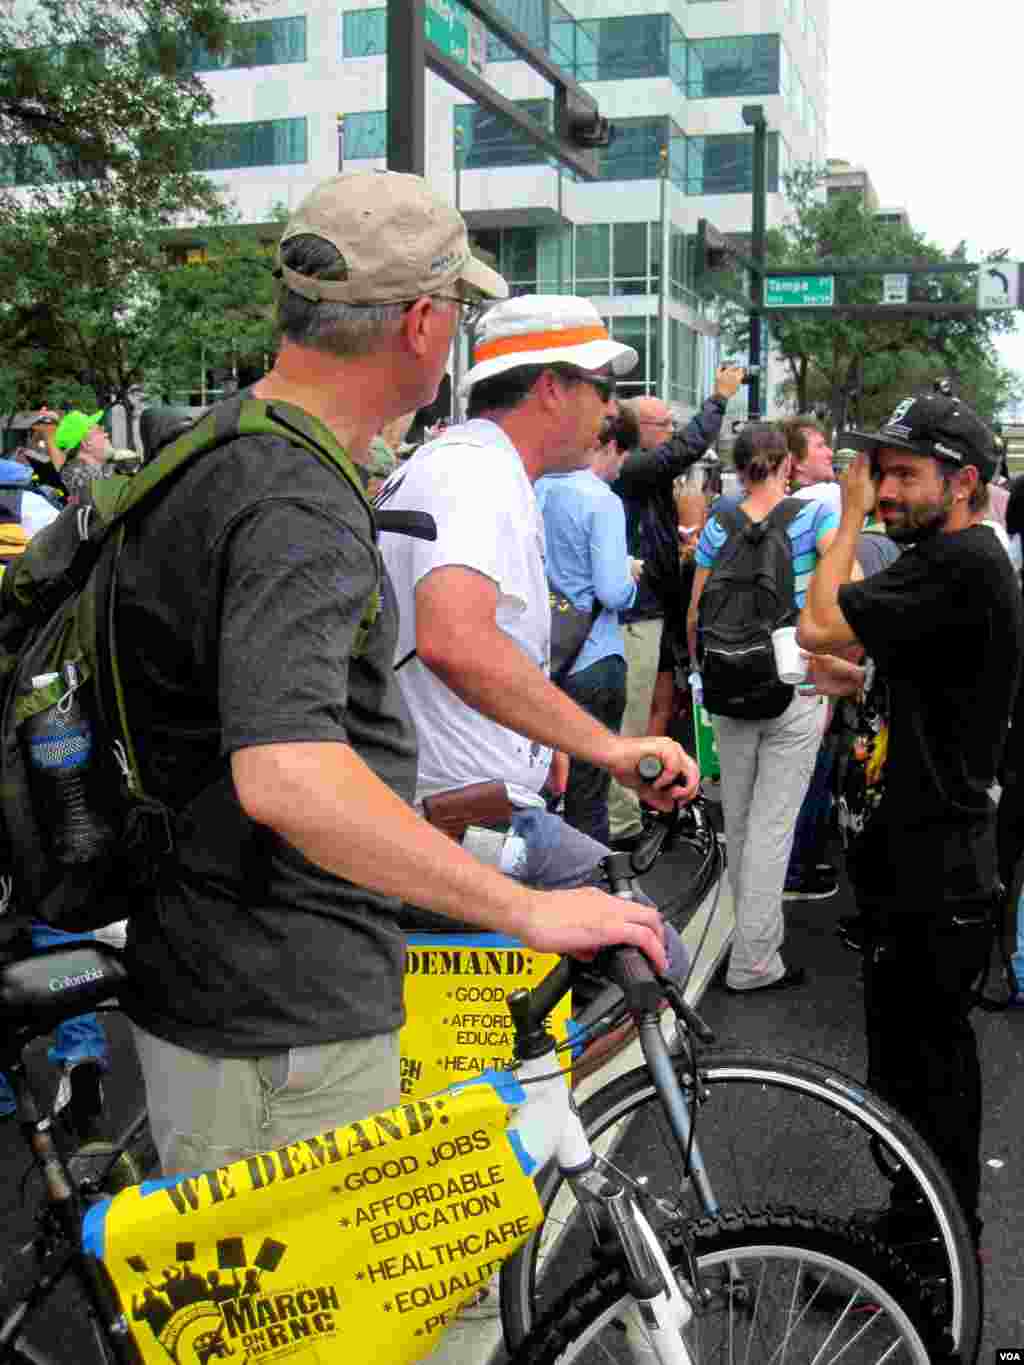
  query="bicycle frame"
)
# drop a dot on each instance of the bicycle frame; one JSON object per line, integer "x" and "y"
{"x": 58, "y": 1247}
{"x": 662, "y": 1310}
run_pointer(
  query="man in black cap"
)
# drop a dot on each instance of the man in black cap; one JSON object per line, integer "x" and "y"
{"x": 941, "y": 629}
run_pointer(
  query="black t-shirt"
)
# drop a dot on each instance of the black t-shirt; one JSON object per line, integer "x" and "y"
{"x": 943, "y": 629}
{"x": 238, "y": 607}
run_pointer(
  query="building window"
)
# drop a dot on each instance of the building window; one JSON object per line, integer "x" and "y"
{"x": 725, "y": 164}
{"x": 38, "y": 165}
{"x": 683, "y": 352}
{"x": 635, "y": 151}
{"x": 747, "y": 65}
{"x": 620, "y": 49}
{"x": 642, "y": 334}
{"x": 593, "y": 258}
{"x": 681, "y": 278}
{"x": 263, "y": 42}
{"x": 630, "y": 259}
{"x": 364, "y": 32}
{"x": 562, "y": 44}
{"x": 488, "y": 140}
{"x": 530, "y": 17}
{"x": 365, "y": 135}
{"x": 270, "y": 142}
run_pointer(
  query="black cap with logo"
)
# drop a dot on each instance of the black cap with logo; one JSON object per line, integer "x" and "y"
{"x": 932, "y": 424}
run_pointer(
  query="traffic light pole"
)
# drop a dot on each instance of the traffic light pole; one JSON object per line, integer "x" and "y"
{"x": 753, "y": 116}
{"x": 579, "y": 129}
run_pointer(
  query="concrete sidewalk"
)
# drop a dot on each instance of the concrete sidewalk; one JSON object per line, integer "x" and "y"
{"x": 480, "y": 1343}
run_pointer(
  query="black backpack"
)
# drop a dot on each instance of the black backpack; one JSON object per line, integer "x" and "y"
{"x": 58, "y": 645}
{"x": 749, "y": 593}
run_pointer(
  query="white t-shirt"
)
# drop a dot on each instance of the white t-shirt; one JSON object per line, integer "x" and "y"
{"x": 472, "y": 481}
{"x": 828, "y": 493}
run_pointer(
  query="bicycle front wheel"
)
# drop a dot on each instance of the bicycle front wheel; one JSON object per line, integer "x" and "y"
{"x": 772, "y": 1128}
{"x": 779, "y": 1285}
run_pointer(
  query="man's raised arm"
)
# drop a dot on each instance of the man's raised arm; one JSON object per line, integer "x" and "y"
{"x": 644, "y": 469}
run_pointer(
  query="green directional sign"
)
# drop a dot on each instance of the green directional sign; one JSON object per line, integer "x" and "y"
{"x": 799, "y": 291}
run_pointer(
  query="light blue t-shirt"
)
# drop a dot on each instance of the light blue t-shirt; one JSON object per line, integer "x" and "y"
{"x": 805, "y": 532}
{"x": 585, "y": 544}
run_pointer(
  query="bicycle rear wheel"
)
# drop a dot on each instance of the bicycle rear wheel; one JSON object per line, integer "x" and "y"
{"x": 772, "y": 1128}
{"x": 781, "y": 1285}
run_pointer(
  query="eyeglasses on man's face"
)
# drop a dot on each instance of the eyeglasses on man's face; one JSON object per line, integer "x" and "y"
{"x": 472, "y": 310}
{"x": 602, "y": 384}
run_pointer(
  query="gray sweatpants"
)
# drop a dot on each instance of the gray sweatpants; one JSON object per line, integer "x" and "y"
{"x": 766, "y": 769}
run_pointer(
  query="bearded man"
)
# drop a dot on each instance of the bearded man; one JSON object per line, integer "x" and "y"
{"x": 941, "y": 629}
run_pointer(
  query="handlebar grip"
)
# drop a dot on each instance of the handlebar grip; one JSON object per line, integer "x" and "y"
{"x": 649, "y": 769}
{"x": 630, "y": 970}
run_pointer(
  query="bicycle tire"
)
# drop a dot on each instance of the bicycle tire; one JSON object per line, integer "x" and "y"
{"x": 815, "y": 1290}
{"x": 774, "y": 1128}
{"x": 24, "y": 1355}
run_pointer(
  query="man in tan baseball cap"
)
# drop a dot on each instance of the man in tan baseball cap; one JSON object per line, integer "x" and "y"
{"x": 242, "y": 609}
{"x": 397, "y": 241}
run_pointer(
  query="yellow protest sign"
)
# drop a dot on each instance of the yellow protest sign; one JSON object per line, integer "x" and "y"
{"x": 457, "y": 1024}
{"x": 358, "y": 1244}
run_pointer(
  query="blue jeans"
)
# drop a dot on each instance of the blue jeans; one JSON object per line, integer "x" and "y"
{"x": 555, "y": 856}
{"x": 810, "y": 836}
{"x": 601, "y": 691}
{"x": 1017, "y": 958}
{"x": 81, "y": 1039}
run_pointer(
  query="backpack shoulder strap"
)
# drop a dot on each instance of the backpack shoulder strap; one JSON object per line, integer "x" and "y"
{"x": 225, "y": 423}
{"x": 786, "y": 512}
{"x": 732, "y": 518}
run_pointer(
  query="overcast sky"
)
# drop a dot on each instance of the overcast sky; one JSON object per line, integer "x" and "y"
{"x": 929, "y": 98}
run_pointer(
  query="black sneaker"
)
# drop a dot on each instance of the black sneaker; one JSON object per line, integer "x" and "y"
{"x": 812, "y": 886}
{"x": 852, "y": 931}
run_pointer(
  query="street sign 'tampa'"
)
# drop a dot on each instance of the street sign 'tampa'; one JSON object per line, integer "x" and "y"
{"x": 998, "y": 284}
{"x": 799, "y": 291}
{"x": 894, "y": 288}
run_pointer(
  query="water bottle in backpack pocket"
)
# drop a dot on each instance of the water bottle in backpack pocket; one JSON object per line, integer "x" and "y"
{"x": 749, "y": 592}
{"x": 59, "y": 744}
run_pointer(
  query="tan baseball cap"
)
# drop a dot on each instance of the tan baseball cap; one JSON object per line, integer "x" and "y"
{"x": 398, "y": 241}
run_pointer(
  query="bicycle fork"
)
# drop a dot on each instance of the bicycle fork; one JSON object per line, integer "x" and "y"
{"x": 663, "y": 1311}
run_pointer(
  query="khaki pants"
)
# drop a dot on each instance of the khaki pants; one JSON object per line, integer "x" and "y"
{"x": 210, "y": 1111}
{"x": 643, "y": 646}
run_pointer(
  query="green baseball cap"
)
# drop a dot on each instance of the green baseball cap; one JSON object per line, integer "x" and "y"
{"x": 381, "y": 460}
{"x": 73, "y": 429}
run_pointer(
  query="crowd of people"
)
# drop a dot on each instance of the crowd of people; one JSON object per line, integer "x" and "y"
{"x": 434, "y": 774}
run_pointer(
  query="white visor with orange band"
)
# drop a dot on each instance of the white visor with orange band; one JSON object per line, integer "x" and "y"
{"x": 545, "y": 329}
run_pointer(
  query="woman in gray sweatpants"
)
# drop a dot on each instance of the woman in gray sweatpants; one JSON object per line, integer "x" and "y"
{"x": 766, "y": 764}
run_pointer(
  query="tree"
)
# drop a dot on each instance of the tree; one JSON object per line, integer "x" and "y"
{"x": 840, "y": 360}
{"x": 98, "y": 103}
{"x": 129, "y": 316}
{"x": 217, "y": 308}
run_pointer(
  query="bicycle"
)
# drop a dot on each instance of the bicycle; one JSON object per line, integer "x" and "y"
{"x": 676, "y": 1295}
{"x": 770, "y": 1125}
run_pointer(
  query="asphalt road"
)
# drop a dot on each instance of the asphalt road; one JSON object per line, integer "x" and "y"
{"x": 823, "y": 1021}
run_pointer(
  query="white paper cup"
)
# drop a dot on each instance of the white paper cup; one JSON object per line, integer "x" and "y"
{"x": 791, "y": 665}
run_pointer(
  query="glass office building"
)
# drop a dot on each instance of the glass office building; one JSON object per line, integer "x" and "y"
{"x": 301, "y": 92}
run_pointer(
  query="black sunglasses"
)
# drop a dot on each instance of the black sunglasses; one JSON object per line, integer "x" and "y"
{"x": 602, "y": 384}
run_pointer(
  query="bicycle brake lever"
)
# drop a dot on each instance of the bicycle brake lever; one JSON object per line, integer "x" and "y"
{"x": 689, "y": 1015}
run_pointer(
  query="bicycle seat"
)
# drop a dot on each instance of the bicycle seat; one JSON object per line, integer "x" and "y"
{"x": 39, "y": 992}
